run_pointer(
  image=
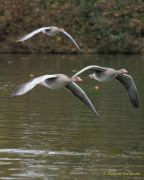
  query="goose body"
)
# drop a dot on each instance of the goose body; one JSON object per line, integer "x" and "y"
{"x": 57, "y": 81}
{"x": 104, "y": 74}
{"x": 50, "y": 31}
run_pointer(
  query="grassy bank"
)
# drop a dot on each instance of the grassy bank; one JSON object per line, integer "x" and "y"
{"x": 99, "y": 26}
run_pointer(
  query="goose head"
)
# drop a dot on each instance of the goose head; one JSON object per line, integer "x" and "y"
{"x": 122, "y": 71}
{"x": 76, "y": 79}
{"x": 61, "y": 30}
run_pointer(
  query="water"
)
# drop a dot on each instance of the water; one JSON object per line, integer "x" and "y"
{"x": 50, "y": 135}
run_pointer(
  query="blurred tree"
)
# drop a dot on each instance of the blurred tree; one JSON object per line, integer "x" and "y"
{"x": 99, "y": 26}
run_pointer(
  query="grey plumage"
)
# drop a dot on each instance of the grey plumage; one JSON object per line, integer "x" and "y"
{"x": 80, "y": 94}
{"x": 130, "y": 87}
{"x": 50, "y": 31}
{"x": 56, "y": 81}
{"x": 104, "y": 74}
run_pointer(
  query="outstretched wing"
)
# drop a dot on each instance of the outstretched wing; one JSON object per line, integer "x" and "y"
{"x": 31, "y": 34}
{"x": 92, "y": 68}
{"x": 24, "y": 88}
{"x": 130, "y": 86}
{"x": 70, "y": 37}
{"x": 81, "y": 95}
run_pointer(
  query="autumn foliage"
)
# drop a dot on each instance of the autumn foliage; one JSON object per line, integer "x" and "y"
{"x": 98, "y": 26}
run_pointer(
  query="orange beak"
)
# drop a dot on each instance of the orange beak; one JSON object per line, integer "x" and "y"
{"x": 125, "y": 71}
{"x": 79, "y": 79}
{"x": 62, "y": 30}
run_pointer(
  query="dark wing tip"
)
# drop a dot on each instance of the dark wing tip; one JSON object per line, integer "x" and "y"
{"x": 18, "y": 90}
{"x": 133, "y": 95}
{"x": 14, "y": 93}
{"x": 80, "y": 50}
{"x": 135, "y": 102}
{"x": 98, "y": 115}
{"x": 80, "y": 94}
{"x": 95, "y": 112}
{"x": 131, "y": 88}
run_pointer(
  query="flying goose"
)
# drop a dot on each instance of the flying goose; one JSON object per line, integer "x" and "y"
{"x": 50, "y": 31}
{"x": 104, "y": 74}
{"x": 57, "y": 81}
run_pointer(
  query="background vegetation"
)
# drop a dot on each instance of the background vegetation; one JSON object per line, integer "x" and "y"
{"x": 98, "y": 26}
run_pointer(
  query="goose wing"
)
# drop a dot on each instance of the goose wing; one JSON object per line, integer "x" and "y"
{"x": 92, "y": 68}
{"x": 24, "y": 88}
{"x": 81, "y": 95}
{"x": 129, "y": 84}
{"x": 70, "y": 37}
{"x": 31, "y": 34}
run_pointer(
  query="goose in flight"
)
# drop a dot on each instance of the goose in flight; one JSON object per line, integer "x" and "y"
{"x": 50, "y": 31}
{"x": 57, "y": 81}
{"x": 104, "y": 74}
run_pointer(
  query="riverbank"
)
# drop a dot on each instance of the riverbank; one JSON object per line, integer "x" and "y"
{"x": 104, "y": 27}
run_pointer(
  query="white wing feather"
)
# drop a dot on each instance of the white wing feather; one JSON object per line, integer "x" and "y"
{"x": 91, "y": 67}
{"x": 70, "y": 37}
{"x": 24, "y": 88}
{"x": 31, "y": 34}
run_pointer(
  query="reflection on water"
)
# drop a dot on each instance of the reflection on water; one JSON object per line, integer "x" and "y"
{"x": 49, "y": 134}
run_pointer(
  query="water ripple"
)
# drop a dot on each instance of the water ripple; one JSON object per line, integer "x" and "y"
{"x": 41, "y": 152}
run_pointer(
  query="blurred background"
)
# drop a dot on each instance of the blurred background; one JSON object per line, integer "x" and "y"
{"x": 98, "y": 26}
{"x": 50, "y": 135}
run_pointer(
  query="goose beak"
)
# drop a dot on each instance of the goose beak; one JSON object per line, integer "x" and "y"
{"x": 61, "y": 30}
{"x": 125, "y": 71}
{"x": 79, "y": 79}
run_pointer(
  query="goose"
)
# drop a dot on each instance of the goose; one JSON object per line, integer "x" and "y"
{"x": 104, "y": 74}
{"x": 56, "y": 81}
{"x": 50, "y": 31}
